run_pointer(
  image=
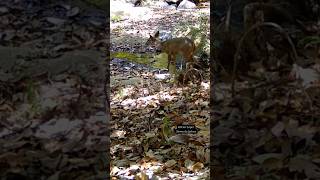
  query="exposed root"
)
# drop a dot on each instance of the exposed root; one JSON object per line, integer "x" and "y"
{"x": 192, "y": 74}
{"x": 239, "y": 46}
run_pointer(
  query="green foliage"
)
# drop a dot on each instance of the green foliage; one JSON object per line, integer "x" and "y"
{"x": 166, "y": 127}
{"x": 166, "y": 121}
{"x": 197, "y": 32}
{"x": 137, "y": 58}
{"x": 116, "y": 18}
{"x": 309, "y": 41}
{"x": 160, "y": 60}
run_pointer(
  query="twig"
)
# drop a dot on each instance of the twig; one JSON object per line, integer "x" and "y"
{"x": 256, "y": 26}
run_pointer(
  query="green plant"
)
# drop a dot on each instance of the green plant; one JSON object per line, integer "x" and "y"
{"x": 32, "y": 97}
{"x": 197, "y": 32}
{"x": 166, "y": 128}
{"x": 116, "y": 18}
{"x": 309, "y": 41}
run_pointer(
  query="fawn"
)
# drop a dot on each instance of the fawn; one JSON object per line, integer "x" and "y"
{"x": 172, "y": 47}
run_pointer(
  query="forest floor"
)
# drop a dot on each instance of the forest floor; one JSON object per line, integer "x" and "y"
{"x": 52, "y": 113}
{"x": 53, "y": 120}
{"x": 146, "y": 107}
{"x": 270, "y": 128}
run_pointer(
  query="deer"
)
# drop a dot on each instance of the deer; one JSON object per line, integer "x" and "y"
{"x": 174, "y": 46}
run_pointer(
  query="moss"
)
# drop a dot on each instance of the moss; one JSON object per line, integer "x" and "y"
{"x": 133, "y": 57}
{"x": 157, "y": 61}
{"x": 160, "y": 61}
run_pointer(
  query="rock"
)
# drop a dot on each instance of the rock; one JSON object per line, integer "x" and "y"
{"x": 165, "y": 5}
{"x": 185, "y": 4}
{"x": 172, "y": 7}
{"x": 172, "y": 1}
{"x": 162, "y": 4}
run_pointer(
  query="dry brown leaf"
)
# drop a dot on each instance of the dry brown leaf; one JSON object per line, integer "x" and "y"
{"x": 197, "y": 167}
{"x": 180, "y": 138}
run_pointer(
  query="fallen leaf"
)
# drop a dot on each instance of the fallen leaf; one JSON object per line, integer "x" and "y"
{"x": 55, "y": 21}
{"x": 197, "y": 167}
{"x": 277, "y": 129}
{"x": 170, "y": 163}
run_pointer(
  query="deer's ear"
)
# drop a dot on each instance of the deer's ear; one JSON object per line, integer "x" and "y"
{"x": 157, "y": 34}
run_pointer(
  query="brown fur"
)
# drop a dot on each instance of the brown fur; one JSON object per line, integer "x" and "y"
{"x": 172, "y": 47}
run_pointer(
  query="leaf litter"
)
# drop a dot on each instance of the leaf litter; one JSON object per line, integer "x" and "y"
{"x": 269, "y": 128}
{"x": 53, "y": 122}
{"x": 140, "y": 103}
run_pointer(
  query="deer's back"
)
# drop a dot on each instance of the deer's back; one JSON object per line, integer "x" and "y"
{"x": 176, "y": 45}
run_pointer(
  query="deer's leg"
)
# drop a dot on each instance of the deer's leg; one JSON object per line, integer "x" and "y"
{"x": 182, "y": 60}
{"x": 173, "y": 63}
{"x": 189, "y": 59}
{"x": 169, "y": 61}
{"x": 185, "y": 61}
